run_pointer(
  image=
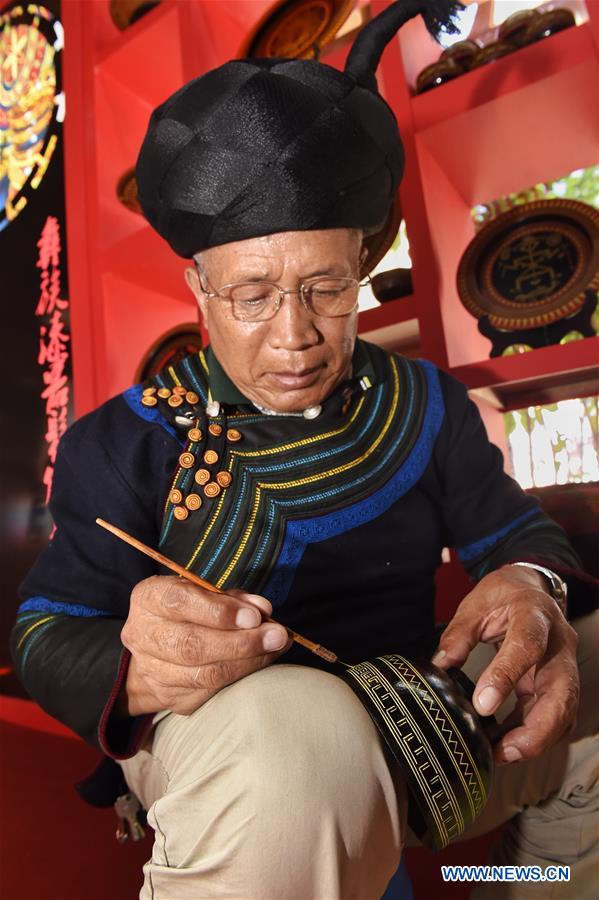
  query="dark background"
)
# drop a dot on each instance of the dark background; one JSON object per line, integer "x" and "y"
{"x": 24, "y": 521}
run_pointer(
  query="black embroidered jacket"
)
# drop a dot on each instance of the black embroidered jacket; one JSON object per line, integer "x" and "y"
{"x": 339, "y": 520}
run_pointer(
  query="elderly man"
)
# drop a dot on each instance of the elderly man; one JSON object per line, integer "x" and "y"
{"x": 305, "y": 472}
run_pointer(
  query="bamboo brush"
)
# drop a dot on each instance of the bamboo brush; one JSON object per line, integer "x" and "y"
{"x": 328, "y": 655}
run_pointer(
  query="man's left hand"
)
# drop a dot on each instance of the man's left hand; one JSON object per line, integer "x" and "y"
{"x": 536, "y": 659}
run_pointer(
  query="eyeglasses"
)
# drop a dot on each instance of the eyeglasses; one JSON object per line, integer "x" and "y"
{"x": 257, "y": 301}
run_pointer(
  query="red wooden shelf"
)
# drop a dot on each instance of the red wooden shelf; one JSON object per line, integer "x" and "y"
{"x": 143, "y": 258}
{"x": 520, "y": 137}
{"x": 122, "y": 41}
{"x": 540, "y": 376}
{"x": 393, "y": 325}
{"x": 401, "y": 310}
{"x": 514, "y": 72}
{"x": 145, "y": 61}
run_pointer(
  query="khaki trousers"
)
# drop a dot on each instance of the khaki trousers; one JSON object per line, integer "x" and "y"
{"x": 278, "y": 788}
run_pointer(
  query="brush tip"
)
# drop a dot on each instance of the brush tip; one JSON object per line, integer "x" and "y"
{"x": 326, "y": 654}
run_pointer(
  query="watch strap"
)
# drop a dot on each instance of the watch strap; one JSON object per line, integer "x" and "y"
{"x": 558, "y": 588}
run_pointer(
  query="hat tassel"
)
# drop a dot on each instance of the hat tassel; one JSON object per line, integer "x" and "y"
{"x": 368, "y": 47}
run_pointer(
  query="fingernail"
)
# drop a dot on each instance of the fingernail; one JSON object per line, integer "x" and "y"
{"x": 512, "y": 754}
{"x": 261, "y": 602}
{"x": 439, "y": 657}
{"x": 488, "y": 699}
{"x": 274, "y": 639}
{"x": 247, "y": 618}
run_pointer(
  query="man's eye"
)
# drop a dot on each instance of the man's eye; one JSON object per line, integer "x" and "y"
{"x": 322, "y": 293}
{"x": 250, "y": 294}
{"x": 252, "y": 301}
{"x": 329, "y": 288}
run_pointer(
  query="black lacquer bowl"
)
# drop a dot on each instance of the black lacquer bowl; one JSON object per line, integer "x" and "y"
{"x": 435, "y": 740}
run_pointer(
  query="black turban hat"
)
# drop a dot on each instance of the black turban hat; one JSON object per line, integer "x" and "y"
{"x": 259, "y": 146}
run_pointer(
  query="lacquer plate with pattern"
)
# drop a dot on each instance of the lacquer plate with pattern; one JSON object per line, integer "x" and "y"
{"x": 297, "y": 29}
{"x": 530, "y": 266}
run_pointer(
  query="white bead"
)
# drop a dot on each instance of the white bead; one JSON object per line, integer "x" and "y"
{"x": 212, "y": 408}
{"x": 312, "y": 412}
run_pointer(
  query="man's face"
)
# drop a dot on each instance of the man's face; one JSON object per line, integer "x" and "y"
{"x": 295, "y": 359}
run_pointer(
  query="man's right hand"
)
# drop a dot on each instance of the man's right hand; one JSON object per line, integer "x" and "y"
{"x": 187, "y": 643}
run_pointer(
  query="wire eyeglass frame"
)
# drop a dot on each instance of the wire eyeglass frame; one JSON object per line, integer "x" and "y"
{"x": 303, "y": 294}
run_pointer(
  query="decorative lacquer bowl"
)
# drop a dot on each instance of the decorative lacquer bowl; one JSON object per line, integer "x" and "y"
{"x": 436, "y": 740}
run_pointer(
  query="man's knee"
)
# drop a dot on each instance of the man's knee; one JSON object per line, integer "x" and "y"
{"x": 281, "y": 729}
{"x": 303, "y": 730}
{"x": 287, "y": 758}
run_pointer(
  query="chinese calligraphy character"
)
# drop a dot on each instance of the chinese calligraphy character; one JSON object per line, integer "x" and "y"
{"x": 53, "y": 353}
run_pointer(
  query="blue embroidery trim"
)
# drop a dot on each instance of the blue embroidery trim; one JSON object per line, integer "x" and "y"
{"x": 300, "y": 533}
{"x": 195, "y": 382}
{"x": 28, "y": 617}
{"x": 43, "y": 605}
{"x": 485, "y": 565}
{"x": 471, "y": 551}
{"x": 272, "y": 507}
{"x": 329, "y": 492}
{"x": 132, "y": 398}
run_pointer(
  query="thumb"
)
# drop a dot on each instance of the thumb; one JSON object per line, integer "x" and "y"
{"x": 264, "y": 605}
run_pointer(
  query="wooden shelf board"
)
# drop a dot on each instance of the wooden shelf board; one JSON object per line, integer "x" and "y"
{"x": 143, "y": 258}
{"x": 135, "y": 316}
{"x": 540, "y": 376}
{"x": 389, "y": 313}
{"x": 539, "y": 133}
{"x": 146, "y": 60}
{"x": 125, "y": 40}
{"x": 120, "y": 120}
{"x": 514, "y": 72}
{"x": 104, "y": 32}
{"x": 403, "y": 337}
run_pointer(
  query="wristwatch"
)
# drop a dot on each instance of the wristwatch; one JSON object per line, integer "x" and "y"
{"x": 558, "y": 589}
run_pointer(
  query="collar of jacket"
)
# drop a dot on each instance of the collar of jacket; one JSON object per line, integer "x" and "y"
{"x": 225, "y": 391}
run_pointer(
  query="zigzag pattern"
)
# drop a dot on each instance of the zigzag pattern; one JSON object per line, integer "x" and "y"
{"x": 432, "y": 787}
{"x": 449, "y": 731}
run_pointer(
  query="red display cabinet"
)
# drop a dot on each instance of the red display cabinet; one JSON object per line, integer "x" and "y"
{"x": 528, "y": 117}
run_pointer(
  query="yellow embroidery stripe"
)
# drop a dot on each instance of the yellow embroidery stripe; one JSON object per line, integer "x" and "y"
{"x": 244, "y": 539}
{"x": 203, "y": 362}
{"x": 174, "y": 375}
{"x": 304, "y": 442}
{"x": 338, "y": 469}
{"x": 240, "y": 453}
{"x": 212, "y": 523}
{"x": 208, "y": 529}
{"x": 32, "y": 627}
{"x": 318, "y": 476}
